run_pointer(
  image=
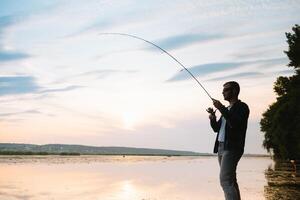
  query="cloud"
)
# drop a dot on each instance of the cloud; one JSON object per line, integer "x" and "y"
{"x": 16, "y": 195}
{"x": 20, "y": 113}
{"x": 19, "y": 116}
{"x": 8, "y": 7}
{"x": 95, "y": 74}
{"x": 205, "y": 69}
{"x": 95, "y": 26}
{"x": 12, "y": 55}
{"x": 26, "y": 84}
{"x": 288, "y": 72}
{"x": 257, "y": 51}
{"x": 128, "y": 13}
{"x": 210, "y": 68}
{"x": 178, "y": 41}
{"x": 98, "y": 73}
{"x": 73, "y": 87}
{"x": 17, "y": 85}
{"x": 109, "y": 53}
{"x": 104, "y": 73}
{"x": 6, "y": 21}
{"x": 238, "y": 75}
{"x": 272, "y": 62}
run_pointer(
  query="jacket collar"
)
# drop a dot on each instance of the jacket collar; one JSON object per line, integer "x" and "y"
{"x": 234, "y": 105}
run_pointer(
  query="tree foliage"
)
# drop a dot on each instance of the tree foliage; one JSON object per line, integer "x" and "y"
{"x": 281, "y": 122}
{"x": 293, "y": 39}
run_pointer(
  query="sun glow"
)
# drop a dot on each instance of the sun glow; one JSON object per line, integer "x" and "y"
{"x": 130, "y": 119}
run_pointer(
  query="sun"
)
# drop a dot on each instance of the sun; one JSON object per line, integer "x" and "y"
{"x": 130, "y": 120}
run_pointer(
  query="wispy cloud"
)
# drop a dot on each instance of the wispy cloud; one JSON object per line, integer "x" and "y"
{"x": 205, "y": 69}
{"x": 29, "y": 6}
{"x": 288, "y": 72}
{"x": 12, "y": 99}
{"x": 127, "y": 13}
{"x": 10, "y": 85}
{"x": 95, "y": 74}
{"x": 210, "y": 68}
{"x": 65, "y": 89}
{"x": 257, "y": 51}
{"x": 272, "y": 62}
{"x": 12, "y": 55}
{"x": 99, "y": 74}
{"x": 6, "y": 21}
{"x": 238, "y": 75}
{"x": 20, "y": 113}
{"x": 178, "y": 41}
{"x": 17, "y": 85}
{"x": 97, "y": 25}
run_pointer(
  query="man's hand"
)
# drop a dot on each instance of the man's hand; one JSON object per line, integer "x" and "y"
{"x": 212, "y": 116}
{"x": 212, "y": 112}
{"x": 217, "y": 104}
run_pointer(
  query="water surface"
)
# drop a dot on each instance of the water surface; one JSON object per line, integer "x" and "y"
{"x": 125, "y": 178}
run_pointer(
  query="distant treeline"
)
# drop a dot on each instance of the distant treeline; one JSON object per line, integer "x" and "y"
{"x": 78, "y": 154}
{"x": 67, "y": 149}
{"x": 38, "y": 153}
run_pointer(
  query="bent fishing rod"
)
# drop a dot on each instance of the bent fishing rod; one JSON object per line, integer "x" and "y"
{"x": 155, "y": 45}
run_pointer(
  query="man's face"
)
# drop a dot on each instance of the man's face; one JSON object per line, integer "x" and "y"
{"x": 227, "y": 92}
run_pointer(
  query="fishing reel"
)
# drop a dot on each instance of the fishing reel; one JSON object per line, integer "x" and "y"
{"x": 211, "y": 111}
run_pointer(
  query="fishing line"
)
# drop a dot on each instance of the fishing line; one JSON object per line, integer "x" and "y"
{"x": 139, "y": 38}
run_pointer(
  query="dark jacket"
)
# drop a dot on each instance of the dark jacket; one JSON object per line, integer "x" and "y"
{"x": 236, "y": 126}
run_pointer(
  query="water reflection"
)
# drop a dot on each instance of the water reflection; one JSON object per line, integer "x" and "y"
{"x": 129, "y": 178}
{"x": 283, "y": 180}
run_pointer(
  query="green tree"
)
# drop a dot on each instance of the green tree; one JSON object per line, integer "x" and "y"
{"x": 281, "y": 122}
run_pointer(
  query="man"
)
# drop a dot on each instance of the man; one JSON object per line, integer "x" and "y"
{"x": 230, "y": 140}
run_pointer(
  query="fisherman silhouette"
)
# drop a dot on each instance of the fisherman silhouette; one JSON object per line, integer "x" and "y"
{"x": 230, "y": 141}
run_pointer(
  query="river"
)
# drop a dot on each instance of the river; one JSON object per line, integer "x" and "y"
{"x": 126, "y": 178}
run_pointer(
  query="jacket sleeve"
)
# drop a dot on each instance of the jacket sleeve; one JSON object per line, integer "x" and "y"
{"x": 215, "y": 125}
{"x": 237, "y": 118}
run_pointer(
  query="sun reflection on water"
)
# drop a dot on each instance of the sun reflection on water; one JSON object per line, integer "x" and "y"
{"x": 123, "y": 178}
{"x": 128, "y": 190}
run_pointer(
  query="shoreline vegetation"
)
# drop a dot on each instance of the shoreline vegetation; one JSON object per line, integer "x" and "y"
{"x": 280, "y": 122}
{"x": 25, "y": 153}
{"x": 77, "y": 150}
{"x": 280, "y": 125}
{"x": 283, "y": 180}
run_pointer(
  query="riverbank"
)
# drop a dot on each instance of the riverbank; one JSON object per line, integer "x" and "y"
{"x": 283, "y": 180}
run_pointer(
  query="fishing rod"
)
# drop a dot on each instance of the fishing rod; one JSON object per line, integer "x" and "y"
{"x": 139, "y": 38}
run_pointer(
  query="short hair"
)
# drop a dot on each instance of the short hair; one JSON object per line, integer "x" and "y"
{"x": 234, "y": 85}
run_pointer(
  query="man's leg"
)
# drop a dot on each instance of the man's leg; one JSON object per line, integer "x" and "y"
{"x": 228, "y": 161}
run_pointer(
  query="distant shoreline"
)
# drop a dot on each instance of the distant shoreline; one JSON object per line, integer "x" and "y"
{"x": 14, "y": 153}
{"x": 74, "y": 149}
{"x": 77, "y": 150}
{"x": 6, "y": 153}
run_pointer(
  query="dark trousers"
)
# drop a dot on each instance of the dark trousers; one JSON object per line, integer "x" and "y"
{"x": 228, "y": 161}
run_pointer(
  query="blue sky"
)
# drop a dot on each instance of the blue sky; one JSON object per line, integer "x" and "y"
{"x": 63, "y": 82}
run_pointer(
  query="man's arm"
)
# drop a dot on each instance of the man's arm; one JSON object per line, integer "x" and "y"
{"x": 234, "y": 119}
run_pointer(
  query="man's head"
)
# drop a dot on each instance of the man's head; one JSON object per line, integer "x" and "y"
{"x": 231, "y": 90}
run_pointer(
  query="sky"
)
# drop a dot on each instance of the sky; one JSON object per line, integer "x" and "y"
{"x": 62, "y": 81}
